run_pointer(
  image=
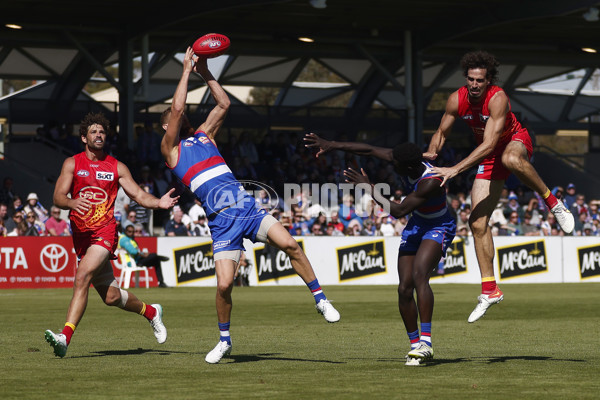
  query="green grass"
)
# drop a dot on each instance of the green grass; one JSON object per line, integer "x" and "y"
{"x": 542, "y": 341}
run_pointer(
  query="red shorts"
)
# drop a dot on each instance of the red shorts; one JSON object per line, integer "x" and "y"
{"x": 491, "y": 168}
{"x": 105, "y": 236}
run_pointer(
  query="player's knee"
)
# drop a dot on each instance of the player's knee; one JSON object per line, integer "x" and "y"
{"x": 478, "y": 226}
{"x": 512, "y": 160}
{"x": 291, "y": 248}
{"x": 405, "y": 291}
{"x": 224, "y": 287}
{"x": 115, "y": 298}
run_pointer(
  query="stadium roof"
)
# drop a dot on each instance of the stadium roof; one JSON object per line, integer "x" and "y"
{"x": 64, "y": 42}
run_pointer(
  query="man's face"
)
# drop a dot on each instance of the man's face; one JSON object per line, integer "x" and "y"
{"x": 3, "y": 211}
{"x": 129, "y": 231}
{"x": 95, "y": 137}
{"x": 477, "y": 83}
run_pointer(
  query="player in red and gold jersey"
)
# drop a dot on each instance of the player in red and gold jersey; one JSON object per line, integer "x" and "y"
{"x": 87, "y": 186}
{"x": 504, "y": 146}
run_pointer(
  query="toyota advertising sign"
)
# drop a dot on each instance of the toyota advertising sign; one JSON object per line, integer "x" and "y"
{"x": 44, "y": 262}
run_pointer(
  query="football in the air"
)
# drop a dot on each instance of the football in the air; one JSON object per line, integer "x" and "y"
{"x": 211, "y": 45}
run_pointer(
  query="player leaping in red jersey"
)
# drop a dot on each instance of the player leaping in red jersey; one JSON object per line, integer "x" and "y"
{"x": 504, "y": 146}
{"x": 92, "y": 179}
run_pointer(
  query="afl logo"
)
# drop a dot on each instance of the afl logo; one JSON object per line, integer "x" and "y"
{"x": 83, "y": 173}
{"x": 188, "y": 144}
{"x": 93, "y": 194}
{"x": 54, "y": 258}
{"x": 215, "y": 44}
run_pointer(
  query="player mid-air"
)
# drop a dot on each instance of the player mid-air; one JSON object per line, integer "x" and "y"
{"x": 232, "y": 213}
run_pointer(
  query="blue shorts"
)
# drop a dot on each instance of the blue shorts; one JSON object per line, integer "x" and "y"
{"x": 419, "y": 229}
{"x": 229, "y": 227}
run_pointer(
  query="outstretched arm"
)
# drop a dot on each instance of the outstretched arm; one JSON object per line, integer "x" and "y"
{"x": 414, "y": 200}
{"x": 169, "y": 146}
{"x": 139, "y": 195}
{"x": 216, "y": 117}
{"x": 312, "y": 140}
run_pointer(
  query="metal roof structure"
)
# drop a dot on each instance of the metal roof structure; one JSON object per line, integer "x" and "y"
{"x": 372, "y": 46}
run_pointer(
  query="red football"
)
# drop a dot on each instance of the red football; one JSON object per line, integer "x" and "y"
{"x": 211, "y": 45}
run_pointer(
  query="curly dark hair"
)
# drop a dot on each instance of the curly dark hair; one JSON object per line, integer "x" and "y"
{"x": 93, "y": 119}
{"x": 483, "y": 60}
{"x": 408, "y": 154}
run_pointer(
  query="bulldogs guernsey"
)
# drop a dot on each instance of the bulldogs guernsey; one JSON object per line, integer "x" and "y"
{"x": 476, "y": 115}
{"x": 434, "y": 210}
{"x": 97, "y": 181}
{"x": 210, "y": 179}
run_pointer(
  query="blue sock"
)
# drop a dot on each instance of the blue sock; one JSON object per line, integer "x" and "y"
{"x": 224, "y": 330}
{"x": 315, "y": 289}
{"x": 414, "y": 339}
{"x": 426, "y": 333}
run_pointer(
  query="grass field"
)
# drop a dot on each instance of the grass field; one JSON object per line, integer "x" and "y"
{"x": 541, "y": 342}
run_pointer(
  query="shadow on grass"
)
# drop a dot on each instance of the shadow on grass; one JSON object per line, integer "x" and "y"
{"x": 242, "y": 358}
{"x": 485, "y": 360}
{"x": 130, "y": 352}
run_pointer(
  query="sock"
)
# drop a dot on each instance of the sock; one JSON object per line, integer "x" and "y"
{"x": 68, "y": 331}
{"x": 488, "y": 285}
{"x": 549, "y": 199}
{"x": 148, "y": 311}
{"x": 426, "y": 333}
{"x": 315, "y": 289}
{"x": 224, "y": 331}
{"x": 414, "y": 339}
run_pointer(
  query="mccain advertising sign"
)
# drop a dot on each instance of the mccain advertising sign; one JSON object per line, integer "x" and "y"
{"x": 194, "y": 262}
{"x": 589, "y": 261}
{"x": 273, "y": 264}
{"x": 522, "y": 259}
{"x": 361, "y": 260}
{"x": 455, "y": 261}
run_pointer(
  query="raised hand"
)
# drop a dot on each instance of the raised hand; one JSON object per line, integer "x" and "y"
{"x": 167, "y": 201}
{"x": 311, "y": 140}
{"x": 354, "y": 177}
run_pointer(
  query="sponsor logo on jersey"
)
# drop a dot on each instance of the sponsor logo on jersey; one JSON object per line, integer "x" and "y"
{"x": 589, "y": 261}
{"x": 93, "y": 194}
{"x": 194, "y": 262}
{"x": 105, "y": 176}
{"x": 94, "y": 165}
{"x": 83, "y": 173}
{"x": 523, "y": 259}
{"x": 480, "y": 169}
{"x": 484, "y": 118}
{"x": 204, "y": 139}
{"x": 362, "y": 260}
{"x": 272, "y": 263}
{"x": 455, "y": 261}
{"x": 221, "y": 243}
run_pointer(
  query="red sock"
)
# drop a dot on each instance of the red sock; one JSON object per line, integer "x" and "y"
{"x": 488, "y": 285}
{"x": 549, "y": 199}
{"x": 148, "y": 311}
{"x": 68, "y": 331}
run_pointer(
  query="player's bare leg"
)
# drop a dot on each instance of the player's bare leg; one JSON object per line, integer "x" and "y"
{"x": 225, "y": 270}
{"x": 515, "y": 158}
{"x": 484, "y": 197}
{"x": 279, "y": 237}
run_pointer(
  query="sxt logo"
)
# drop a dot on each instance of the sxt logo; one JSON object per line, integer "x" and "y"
{"x": 272, "y": 263}
{"x": 105, "y": 176}
{"x": 93, "y": 194}
{"x": 522, "y": 260}
{"x": 455, "y": 261}
{"x": 361, "y": 260}
{"x": 194, "y": 262}
{"x": 589, "y": 261}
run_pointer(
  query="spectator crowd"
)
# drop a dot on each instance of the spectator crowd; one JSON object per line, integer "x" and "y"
{"x": 282, "y": 158}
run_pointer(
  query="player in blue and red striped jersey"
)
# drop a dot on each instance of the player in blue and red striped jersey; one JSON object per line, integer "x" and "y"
{"x": 232, "y": 213}
{"x": 427, "y": 235}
